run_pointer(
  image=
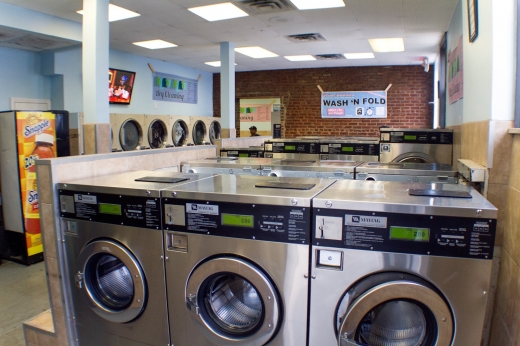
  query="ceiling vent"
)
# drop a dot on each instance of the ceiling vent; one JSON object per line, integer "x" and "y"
{"x": 313, "y": 37}
{"x": 265, "y": 6}
{"x": 329, "y": 56}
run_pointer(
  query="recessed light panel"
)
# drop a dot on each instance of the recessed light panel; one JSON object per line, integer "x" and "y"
{"x": 255, "y": 52}
{"x": 299, "y": 57}
{"x": 387, "y": 44}
{"x": 218, "y": 12}
{"x": 315, "y": 4}
{"x": 359, "y": 55}
{"x": 155, "y": 44}
{"x": 214, "y": 63}
{"x": 116, "y": 13}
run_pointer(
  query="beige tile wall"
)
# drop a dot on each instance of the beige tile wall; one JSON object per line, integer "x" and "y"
{"x": 505, "y": 330}
{"x": 54, "y": 327}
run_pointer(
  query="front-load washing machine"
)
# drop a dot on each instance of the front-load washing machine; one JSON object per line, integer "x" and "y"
{"x": 350, "y": 149}
{"x": 311, "y": 169}
{"x": 238, "y": 252}
{"x": 127, "y": 132}
{"x": 226, "y": 165}
{"x": 299, "y": 149}
{"x": 400, "y": 264}
{"x": 407, "y": 172}
{"x": 157, "y": 132}
{"x": 113, "y": 242}
{"x": 180, "y": 131}
{"x": 416, "y": 145}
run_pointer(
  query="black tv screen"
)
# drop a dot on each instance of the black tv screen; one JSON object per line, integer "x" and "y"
{"x": 120, "y": 86}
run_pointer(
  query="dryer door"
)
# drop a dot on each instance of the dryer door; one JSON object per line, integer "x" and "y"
{"x": 130, "y": 135}
{"x": 199, "y": 132}
{"x": 233, "y": 302}
{"x": 394, "y": 309}
{"x": 111, "y": 280}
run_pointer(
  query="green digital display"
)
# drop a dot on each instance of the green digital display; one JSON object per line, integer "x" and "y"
{"x": 111, "y": 209}
{"x": 238, "y": 220}
{"x": 409, "y": 233}
{"x": 349, "y": 149}
{"x": 243, "y": 155}
{"x": 290, "y": 147}
{"x": 410, "y": 137}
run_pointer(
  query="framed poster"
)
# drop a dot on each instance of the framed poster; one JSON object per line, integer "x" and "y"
{"x": 472, "y": 19}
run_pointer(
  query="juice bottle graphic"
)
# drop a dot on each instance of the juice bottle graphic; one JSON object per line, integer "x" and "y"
{"x": 43, "y": 150}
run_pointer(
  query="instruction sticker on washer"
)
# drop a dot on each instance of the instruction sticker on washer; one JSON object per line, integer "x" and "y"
{"x": 85, "y": 205}
{"x": 359, "y": 233}
{"x": 296, "y": 226}
{"x": 202, "y": 217}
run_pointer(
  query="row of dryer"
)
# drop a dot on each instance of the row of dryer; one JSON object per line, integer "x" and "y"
{"x": 393, "y": 145}
{"x": 141, "y": 131}
{"x": 295, "y": 168}
{"x": 182, "y": 259}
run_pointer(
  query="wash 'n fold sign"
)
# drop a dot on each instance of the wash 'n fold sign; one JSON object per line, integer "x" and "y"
{"x": 353, "y": 104}
{"x": 171, "y": 88}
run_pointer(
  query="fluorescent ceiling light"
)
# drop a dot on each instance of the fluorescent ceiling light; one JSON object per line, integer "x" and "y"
{"x": 387, "y": 44}
{"x": 359, "y": 55}
{"x": 214, "y": 63}
{"x": 315, "y": 4}
{"x": 155, "y": 44}
{"x": 116, "y": 13}
{"x": 218, "y": 12}
{"x": 299, "y": 57}
{"x": 256, "y": 52}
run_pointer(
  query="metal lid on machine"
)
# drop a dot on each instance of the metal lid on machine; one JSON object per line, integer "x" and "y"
{"x": 231, "y": 162}
{"x": 135, "y": 183}
{"x": 253, "y": 189}
{"x": 314, "y": 166}
{"x": 407, "y": 168}
{"x": 394, "y": 197}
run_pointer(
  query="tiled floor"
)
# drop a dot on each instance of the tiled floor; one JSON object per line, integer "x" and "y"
{"x": 23, "y": 295}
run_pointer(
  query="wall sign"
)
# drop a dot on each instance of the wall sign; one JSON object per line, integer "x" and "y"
{"x": 455, "y": 73}
{"x": 171, "y": 88}
{"x": 353, "y": 104}
{"x": 472, "y": 20}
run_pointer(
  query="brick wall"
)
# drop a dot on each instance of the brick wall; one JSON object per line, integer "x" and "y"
{"x": 407, "y": 106}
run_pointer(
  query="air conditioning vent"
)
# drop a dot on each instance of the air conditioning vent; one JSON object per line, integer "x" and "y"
{"x": 329, "y": 56}
{"x": 313, "y": 37}
{"x": 265, "y": 6}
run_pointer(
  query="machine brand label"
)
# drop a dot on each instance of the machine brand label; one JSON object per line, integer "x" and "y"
{"x": 85, "y": 199}
{"x": 201, "y": 209}
{"x": 365, "y": 221}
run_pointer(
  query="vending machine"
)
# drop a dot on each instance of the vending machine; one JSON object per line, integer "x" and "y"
{"x": 26, "y": 136}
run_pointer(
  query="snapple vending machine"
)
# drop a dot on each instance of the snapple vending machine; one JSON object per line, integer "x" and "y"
{"x": 26, "y": 136}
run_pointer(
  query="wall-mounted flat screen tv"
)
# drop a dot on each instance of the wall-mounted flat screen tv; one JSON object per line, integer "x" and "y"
{"x": 120, "y": 86}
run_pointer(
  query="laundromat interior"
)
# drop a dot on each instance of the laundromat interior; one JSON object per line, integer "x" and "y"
{"x": 357, "y": 183}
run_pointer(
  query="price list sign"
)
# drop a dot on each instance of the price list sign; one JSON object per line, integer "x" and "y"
{"x": 171, "y": 88}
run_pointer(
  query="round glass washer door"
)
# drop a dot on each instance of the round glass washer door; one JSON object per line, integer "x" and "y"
{"x": 157, "y": 134}
{"x": 233, "y": 302}
{"x": 111, "y": 281}
{"x": 414, "y": 158}
{"x": 397, "y": 313}
{"x": 199, "y": 132}
{"x": 180, "y": 133}
{"x": 130, "y": 135}
{"x": 214, "y": 131}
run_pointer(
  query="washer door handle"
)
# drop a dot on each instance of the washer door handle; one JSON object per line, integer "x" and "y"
{"x": 78, "y": 278}
{"x": 191, "y": 303}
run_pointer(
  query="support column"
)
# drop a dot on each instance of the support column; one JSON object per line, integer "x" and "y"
{"x": 227, "y": 89}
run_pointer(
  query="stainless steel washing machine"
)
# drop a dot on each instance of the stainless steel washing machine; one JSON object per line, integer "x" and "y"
{"x": 350, "y": 149}
{"x": 311, "y": 169}
{"x": 300, "y": 149}
{"x": 407, "y": 172}
{"x": 397, "y": 264}
{"x": 237, "y": 250}
{"x": 252, "y": 151}
{"x": 226, "y": 165}
{"x": 416, "y": 145}
{"x": 113, "y": 243}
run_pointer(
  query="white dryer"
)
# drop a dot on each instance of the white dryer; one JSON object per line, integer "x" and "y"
{"x": 180, "y": 131}
{"x": 157, "y": 131}
{"x": 127, "y": 131}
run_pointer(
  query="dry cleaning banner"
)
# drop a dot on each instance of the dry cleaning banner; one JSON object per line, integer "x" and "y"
{"x": 167, "y": 87}
{"x": 353, "y": 104}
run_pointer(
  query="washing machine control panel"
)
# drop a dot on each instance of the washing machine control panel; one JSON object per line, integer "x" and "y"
{"x": 142, "y": 212}
{"x": 413, "y": 234}
{"x": 423, "y": 137}
{"x": 349, "y": 149}
{"x": 292, "y": 147}
{"x": 238, "y": 220}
